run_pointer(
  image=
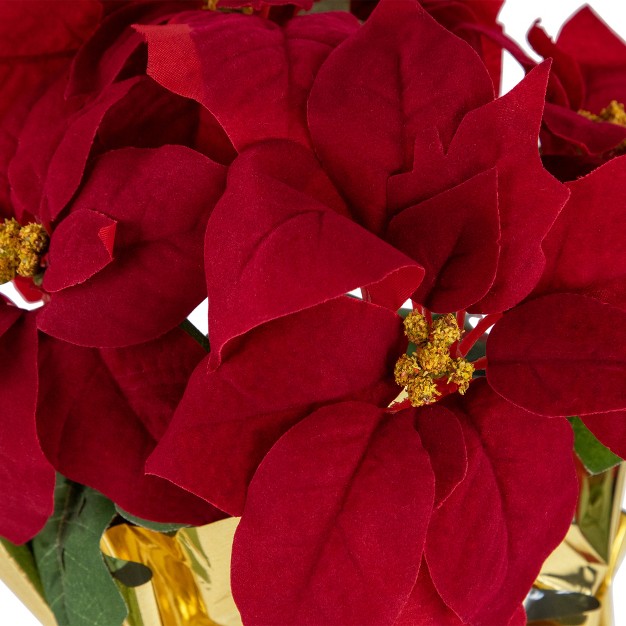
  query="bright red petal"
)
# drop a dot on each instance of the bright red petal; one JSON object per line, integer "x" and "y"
{"x": 278, "y": 230}
{"x": 585, "y": 250}
{"x": 27, "y": 478}
{"x": 610, "y": 429}
{"x": 488, "y": 541}
{"x": 455, "y": 237}
{"x": 335, "y": 521}
{"x": 100, "y": 413}
{"x": 229, "y": 418}
{"x": 161, "y": 200}
{"x": 561, "y": 354}
{"x": 375, "y": 93}
{"x": 251, "y": 74}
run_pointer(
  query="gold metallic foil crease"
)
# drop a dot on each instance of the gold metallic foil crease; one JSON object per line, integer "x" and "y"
{"x": 190, "y": 584}
{"x": 593, "y": 549}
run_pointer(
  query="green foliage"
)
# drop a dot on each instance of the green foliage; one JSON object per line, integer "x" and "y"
{"x": 76, "y": 581}
{"x": 595, "y": 457}
{"x": 156, "y": 526}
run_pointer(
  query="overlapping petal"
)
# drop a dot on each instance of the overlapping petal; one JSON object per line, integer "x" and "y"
{"x": 27, "y": 477}
{"x": 229, "y": 418}
{"x": 161, "y": 200}
{"x": 337, "y": 533}
{"x": 100, "y": 413}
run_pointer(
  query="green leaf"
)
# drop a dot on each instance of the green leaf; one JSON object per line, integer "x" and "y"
{"x": 76, "y": 581}
{"x": 595, "y": 457}
{"x": 156, "y": 526}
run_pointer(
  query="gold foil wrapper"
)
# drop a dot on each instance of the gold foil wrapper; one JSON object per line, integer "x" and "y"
{"x": 574, "y": 586}
{"x": 190, "y": 584}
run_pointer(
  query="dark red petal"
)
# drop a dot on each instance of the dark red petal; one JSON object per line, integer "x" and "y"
{"x": 455, "y": 237}
{"x": 334, "y": 525}
{"x": 161, "y": 200}
{"x": 488, "y": 541}
{"x": 251, "y": 74}
{"x": 100, "y": 413}
{"x": 277, "y": 231}
{"x": 562, "y": 354}
{"x": 401, "y": 71}
{"x": 27, "y": 478}
{"x": 259, "y": 4}
{"x": 442, "y": 437}
{"x": 502, "y": 134}
{"x": 425, "y": 606}
{"x": 585, "y": 250}
{"x": 610, "y": 429}
{"x": 601, "y": 55}
{"x": 229, "y": 418}
{"x": 82, "y": 245}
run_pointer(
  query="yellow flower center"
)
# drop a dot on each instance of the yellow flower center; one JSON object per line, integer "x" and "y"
{"x": 614, "y": 113}
{"x": 431, "y": 362}
{"x": 21, "y": 249}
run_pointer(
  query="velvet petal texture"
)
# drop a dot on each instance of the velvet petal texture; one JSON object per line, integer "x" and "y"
{"x": 586, "y": 248}
{"x": 455, "y": 237}
{"x": 278, "y": 231}
{"x": 100, "y": 413}
{"x": 251, "y": 74}
{"x": 502, "y": 134}
{"x": 27, "y": 479}
{"x": 561, "y": 354}
{"x": 161, "y": 200}
{"x": 337, "y": 533}
{"x": 376, "y": 92}
{"x": 610, "y": 429}
{"x": 487, "y": 542}
{"x": 229, "y": 418}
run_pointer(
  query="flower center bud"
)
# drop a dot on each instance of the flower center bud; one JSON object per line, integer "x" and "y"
{"x": 431, "y": 366}
{"x": 614, "y": 113}
{"x": 21, "y": 249}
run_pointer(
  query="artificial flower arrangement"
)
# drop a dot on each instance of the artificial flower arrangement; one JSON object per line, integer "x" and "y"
{"x": 391, "y": 463}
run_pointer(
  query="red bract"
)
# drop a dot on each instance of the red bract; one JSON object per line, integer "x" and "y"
{"x": 562, "y": 352}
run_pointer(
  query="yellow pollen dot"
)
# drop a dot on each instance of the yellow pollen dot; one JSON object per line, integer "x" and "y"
{"x": 445, "y": 331}
{"x": 614, "y": 113}
{"x": 405, "y": 369}
{"x": 461, "y": 373}
{"x": 21, "y": 248}
{"x": 416, "y": 328}
{"x": 433, "y": 359}
{"x": 422, "y": 390}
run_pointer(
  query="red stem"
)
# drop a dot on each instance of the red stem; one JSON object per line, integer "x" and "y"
{"x": 460, "y": 318}
{"x": 480, "y": 364}
{"x": 475, "y": 334}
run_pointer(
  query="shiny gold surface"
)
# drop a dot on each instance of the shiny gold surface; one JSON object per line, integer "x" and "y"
{"x": 190, "y": 585}
{"x": 592, "y": 551}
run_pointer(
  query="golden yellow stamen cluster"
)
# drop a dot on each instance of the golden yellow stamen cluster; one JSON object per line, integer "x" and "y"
{"x": 614, "y": 113}
{"x": 21, "y": 248}
{"x": 419, "y": 372}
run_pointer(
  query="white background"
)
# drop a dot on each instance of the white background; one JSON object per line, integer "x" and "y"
{"x": 517, "y": 17}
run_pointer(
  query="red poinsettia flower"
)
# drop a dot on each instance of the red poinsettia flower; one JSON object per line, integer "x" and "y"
{"x": 122, "y": 221}
{"x": 562, "y": 351}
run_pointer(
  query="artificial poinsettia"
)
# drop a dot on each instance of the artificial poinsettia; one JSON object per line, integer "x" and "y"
{"x": 99, "y": 206}
{"x": 562, "y": 351}
{"x": 368, "y": 156}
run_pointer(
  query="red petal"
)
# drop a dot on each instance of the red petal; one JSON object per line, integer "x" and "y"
{"x": 27, "y": 483}
{"x": 276, "y": 231}
{"x": 502, "y": 134}
{"x": 378, "y": 90}
{"x": 454, "y": 236}
{"x": 161, "y": 200}
{"x": 77, "y": 250}
{"x": 442, "y": 436}
{"x": 487, "y": 542}
{"x": 585, "y": 248}
{"x": 334, "y": 525}
{"x": 251, "y": 74}
{"x": 610, "y": 429}
{"x": 561, "y": 354}
{"x": 229, "y": 418}
{"x": 100, "y": 413}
